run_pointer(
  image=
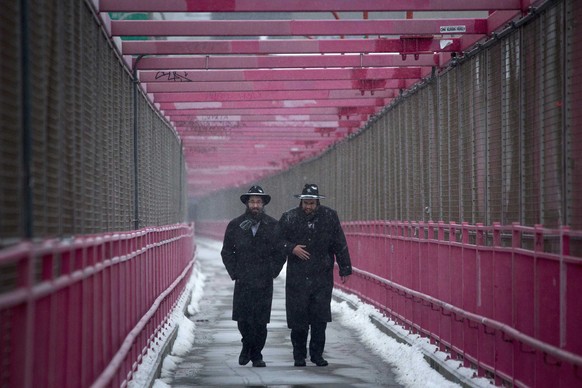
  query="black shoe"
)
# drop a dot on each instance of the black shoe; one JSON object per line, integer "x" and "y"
{"x": 319, "y": 361}
{"x": 300, "y": 363}
{"x": 259, "y": 364}
{"x": 244, "y": 357}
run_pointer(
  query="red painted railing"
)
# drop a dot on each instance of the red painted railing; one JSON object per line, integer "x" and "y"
{"x": 505, "y": 300}
{"x": 84, "y": 311}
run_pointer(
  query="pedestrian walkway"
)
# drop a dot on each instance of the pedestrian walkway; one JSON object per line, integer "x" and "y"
{"x": 213, "y": 360}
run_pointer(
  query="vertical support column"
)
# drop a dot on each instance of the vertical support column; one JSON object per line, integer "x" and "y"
{"x": 26, "y": 123}
{"x": 564, "y": 252}
{"x": 135, "y": 147}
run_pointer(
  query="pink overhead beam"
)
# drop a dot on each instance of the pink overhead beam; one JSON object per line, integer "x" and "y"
{"x": 366, "y": 101}
{"x": 306, "y": 5}
{"x": 279, "y": 75}
{"x": 297, "y": 140}
{"x": 410, "y": 45}
{"x": 295, "y": 135}
{"x": 207, "y": 129}
{"x": 266, "y": 95}
{"x": 272, "y": 111}
{"x": 262, "y": 148}
{"x": 260, "y": 154}
{"x": 212, "y": 62}
{"x": 250, "y": 120}
{"x": 297, "y": 27}
{"x": 265, "y": 118}
{"x": 283, "y": 125}
{"x": 278, "y": 85}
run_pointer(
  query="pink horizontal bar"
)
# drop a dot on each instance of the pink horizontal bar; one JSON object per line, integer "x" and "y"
{"x": 284, "y": 61}
{"x": 369, "y": 101}
{"x": 268, "y": 112}
{"x": 303, "y": 5}
{"x": 294, "y": 27}
{"x": 264, "y": 95}
{"x": 231, "y": 125}
{"x": 288, "y": 46}
{"x": 257, "y": 117}
{"x": 285, "y": 84}
{"x": 294, "y": 141}
{"x": 280, "y": 75}
{"x": 177, "y": 87}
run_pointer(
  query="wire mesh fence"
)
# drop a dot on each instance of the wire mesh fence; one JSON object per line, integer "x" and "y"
{"x": 68, "y": 163}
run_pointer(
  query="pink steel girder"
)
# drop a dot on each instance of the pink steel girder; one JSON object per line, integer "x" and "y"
{"x": 411, "y": 45}
{"x": 273, "y": 111}
{"x": 281, "y": 61}
{"x": 280, "y": 75}
{"x": 265, "y": 95}
{"x": 369, "y": 101}
{"x": 367, "y": 84}
{"x": 231, "y": 28}
{"x": 306, "y": 5}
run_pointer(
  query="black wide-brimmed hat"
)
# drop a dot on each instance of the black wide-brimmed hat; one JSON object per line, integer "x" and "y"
{"x": 258, "y": 191}
{"x": 310, "y": 191}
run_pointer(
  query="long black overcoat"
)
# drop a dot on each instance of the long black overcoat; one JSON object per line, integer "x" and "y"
{"x": 309, "y": 283}
{"x": 249, "y": 261}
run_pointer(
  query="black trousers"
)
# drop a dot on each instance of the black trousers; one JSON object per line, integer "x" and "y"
{"x": 316, "y": 342}
{"x": 254, "y": 336}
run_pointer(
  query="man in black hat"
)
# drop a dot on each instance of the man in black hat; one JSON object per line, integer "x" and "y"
{"x": 249, "y": 253}
{"x": 312, "y": 237}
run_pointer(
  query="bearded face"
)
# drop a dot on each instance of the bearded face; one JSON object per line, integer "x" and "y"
{"x": 308, "y": 206}
{"x": 255, "y": 206}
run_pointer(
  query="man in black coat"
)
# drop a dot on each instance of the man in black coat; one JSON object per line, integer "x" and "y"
{"x": 311, "y": 236}
{"x": 248, "y": 253}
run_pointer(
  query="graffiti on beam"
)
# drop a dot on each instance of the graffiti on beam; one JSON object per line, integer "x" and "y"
{"x": 174, "y": 76}
{"x": 202, "y": 149}
{"x": 211, "y": 127}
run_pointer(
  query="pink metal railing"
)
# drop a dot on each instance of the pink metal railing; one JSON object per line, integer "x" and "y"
{"x": 84, "y": 312}
{"x": 504, "y": 299}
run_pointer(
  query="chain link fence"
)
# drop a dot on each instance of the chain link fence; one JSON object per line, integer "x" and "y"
{"x": 68, "y": 125}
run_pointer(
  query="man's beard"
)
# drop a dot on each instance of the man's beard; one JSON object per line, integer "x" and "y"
{"x": 309, "y": 216}
{"x": 256, "y": 216}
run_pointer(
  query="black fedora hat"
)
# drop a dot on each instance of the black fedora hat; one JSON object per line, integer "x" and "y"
{"x": 258, "y": 191}
{"x": 310, "y": 191}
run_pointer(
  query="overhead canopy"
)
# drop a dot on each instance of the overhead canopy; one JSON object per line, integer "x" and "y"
{"x": 253, "y": 87}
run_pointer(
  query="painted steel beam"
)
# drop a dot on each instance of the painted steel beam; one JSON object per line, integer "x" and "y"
{"x": 237, "y": 28}
{"x": 368, "y": 101}
{"x": 279, "y": 75}
{"x": 175, "y": 87}
{"x": 304, "y": 5}
{"x": 214, "y": 62}
{"x": 258, "y": 117}
{"x": 412, "y": 45}
{"x": 270, "y": 112}
{"x": 304, "y": 138}
{"x": 264, "y": 147}
{"x": 230, "y": 126}
{"x": 268, "y": 95}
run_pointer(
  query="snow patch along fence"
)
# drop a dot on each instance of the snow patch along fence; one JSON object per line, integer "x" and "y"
{"x": 83, "y": 312}
{"x": 504, "y": 300}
